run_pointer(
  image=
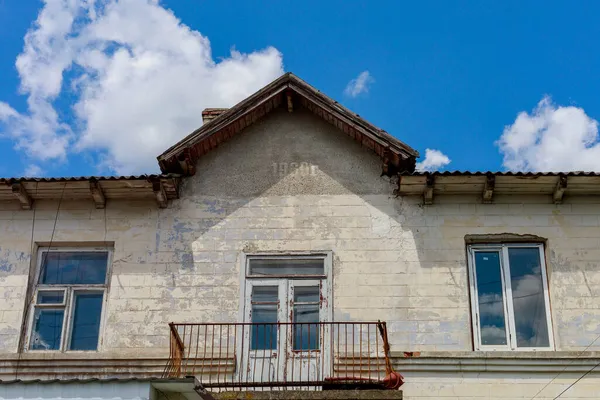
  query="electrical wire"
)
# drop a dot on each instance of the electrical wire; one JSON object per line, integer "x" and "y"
{"x": 35, "y": 277}
{"x": 565, "y": 368}
{"x": 578, "y": 379}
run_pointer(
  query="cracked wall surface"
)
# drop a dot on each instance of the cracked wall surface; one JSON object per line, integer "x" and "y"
{"x": 294, "y": 183}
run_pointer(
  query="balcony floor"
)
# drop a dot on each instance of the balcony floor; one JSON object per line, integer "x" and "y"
{"x": 310, "y": 395}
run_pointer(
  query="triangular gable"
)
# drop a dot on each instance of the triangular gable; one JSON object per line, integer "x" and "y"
{"x": 290, "y": 92}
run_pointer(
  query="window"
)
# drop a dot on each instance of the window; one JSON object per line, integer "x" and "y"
{"x": 69, "y": 293}
{"x": 265, "y": 301}
{"x": 287, "y": 289}
{"x": 275, "y": 267}
{"x": 509, "y": 297}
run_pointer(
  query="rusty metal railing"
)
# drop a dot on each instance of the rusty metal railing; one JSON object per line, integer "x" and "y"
{"x": 287, "y": 355}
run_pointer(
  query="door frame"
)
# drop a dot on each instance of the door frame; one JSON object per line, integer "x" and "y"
{"x": 325, "y": 282}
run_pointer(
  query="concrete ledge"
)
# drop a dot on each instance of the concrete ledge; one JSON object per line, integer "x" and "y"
{"x": 53, "y": 366}
{"x": 478, "y": 361}
{"x": 316, "y": 395}
{"x": 498, "y": 354}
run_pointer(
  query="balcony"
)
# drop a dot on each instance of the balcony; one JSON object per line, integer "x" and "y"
{"x": 283, "y": 356}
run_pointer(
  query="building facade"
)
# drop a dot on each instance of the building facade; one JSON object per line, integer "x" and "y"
{"x": 286, "y": 243}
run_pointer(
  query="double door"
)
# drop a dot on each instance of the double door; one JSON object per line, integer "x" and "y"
{"x": 285, "y": 341}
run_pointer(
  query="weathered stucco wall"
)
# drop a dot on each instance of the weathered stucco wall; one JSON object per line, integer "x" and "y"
{"x": 292, "y": 182}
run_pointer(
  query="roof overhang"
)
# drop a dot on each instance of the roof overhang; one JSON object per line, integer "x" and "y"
{"x": 189, "y": 388}
{"x": 288, "y": 92}
{"x": 98, "y": 189}
{"x": 490, "y": 184}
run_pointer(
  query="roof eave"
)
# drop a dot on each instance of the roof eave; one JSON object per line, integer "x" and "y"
{"x": 489, "y": 185}
{"x": 96, "y": 189}
{"x": 178, "y": 157}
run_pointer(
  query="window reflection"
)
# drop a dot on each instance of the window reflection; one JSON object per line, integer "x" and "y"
{"x": 528, "y": 297}
{"x": 86, "y": 321}
{"x": 73, "y": 267}
{"x": 492, "y": 320}
{"x": 265, "y": 300}
{"x": 47, "y": 329}
{"x": 306, "y": 311}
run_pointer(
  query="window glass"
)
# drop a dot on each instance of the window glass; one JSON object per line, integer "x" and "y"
{"x": 265, "y": 300}
{"x": 73, "y": 267}
{"x": 300, "y": 266}
{"x": 528, "y": 297}
{"x": 303, "y": 294}
{"x": 51, "y": 297}
{"x": 265, "y": 294}
{"x": 306, "y": 311}
{"x": 69, "y": 295}
{"x": 86, "y": 321}
{"x": 492, "y": 319}
{"x": 47, "y": 329}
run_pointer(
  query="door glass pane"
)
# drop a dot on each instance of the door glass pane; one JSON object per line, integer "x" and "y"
{"x": 86, "y": 321}
{"x": 51, "y": 297}
{"x": 528, "y": 297}
{"x": 47, "y": 329}
{"x": 492, "y": 321}
{"x": 261, "y": 294}
{"x": 265, "y": 300}
{"x": 306, "y": 333}
{"x": 271, "y": 266}
{"x": 306, "y": 294}
{"x": 73, "y": 267}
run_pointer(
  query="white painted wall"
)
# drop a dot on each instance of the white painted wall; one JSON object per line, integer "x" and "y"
{"x": 76, "y": 391}
{"x": 292, "y": 182}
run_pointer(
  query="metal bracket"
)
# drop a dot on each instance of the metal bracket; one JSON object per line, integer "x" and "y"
{"x": 201, "y": 390}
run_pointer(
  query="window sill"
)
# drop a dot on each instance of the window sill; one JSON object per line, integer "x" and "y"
{"x": 516, "y": 354}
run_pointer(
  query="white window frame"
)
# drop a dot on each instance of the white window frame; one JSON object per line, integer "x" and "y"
{"x": 68, "y": 304}
{"x": 325, "y": 256}
{"x": 502, "y": 249}
{"x": 326, "y": 278}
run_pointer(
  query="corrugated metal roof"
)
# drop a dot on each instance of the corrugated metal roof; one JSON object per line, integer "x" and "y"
{"x": 572, "y": 183}
{"x": 87, "y": 178}
{"x": 90, "y": 380}
{"x": 498, "y": 173}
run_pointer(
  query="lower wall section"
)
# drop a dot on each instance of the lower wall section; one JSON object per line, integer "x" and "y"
{"x": 78, "y": 366}
{"x": 506, "y": 386}
{"x": 500, "y": 375}
{"x": 321, "y": 395}
{"x": 113, "y": 390}
{"x": 428, "y": 376}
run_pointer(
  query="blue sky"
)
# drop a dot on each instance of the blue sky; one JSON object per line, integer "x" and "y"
{"x": 490, "y": 85}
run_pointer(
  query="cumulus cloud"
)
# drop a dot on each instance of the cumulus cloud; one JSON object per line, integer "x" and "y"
{"x": 33, "y": 170}
{"x": 359, "y": 85}
{"x": 434, "y": 160}
{"x": 551, "y": 138}
{"x": 137, "y": 76}
{"x": 493, "y": 335}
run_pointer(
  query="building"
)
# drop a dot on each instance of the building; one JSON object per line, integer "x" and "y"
{"x": 264, "y": 256}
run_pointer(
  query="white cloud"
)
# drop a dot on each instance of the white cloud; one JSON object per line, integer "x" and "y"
{"x": 33, "y": 170}
{"x": 493, "y": 335}
{"x": 434, "y": 160}
{"x": 551, "y": 138}
{"x": 138, "y": 76}
{"x": 359, "y": 85}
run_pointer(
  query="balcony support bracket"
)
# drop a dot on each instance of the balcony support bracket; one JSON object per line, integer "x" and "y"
{"x": 201, "y": 390}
